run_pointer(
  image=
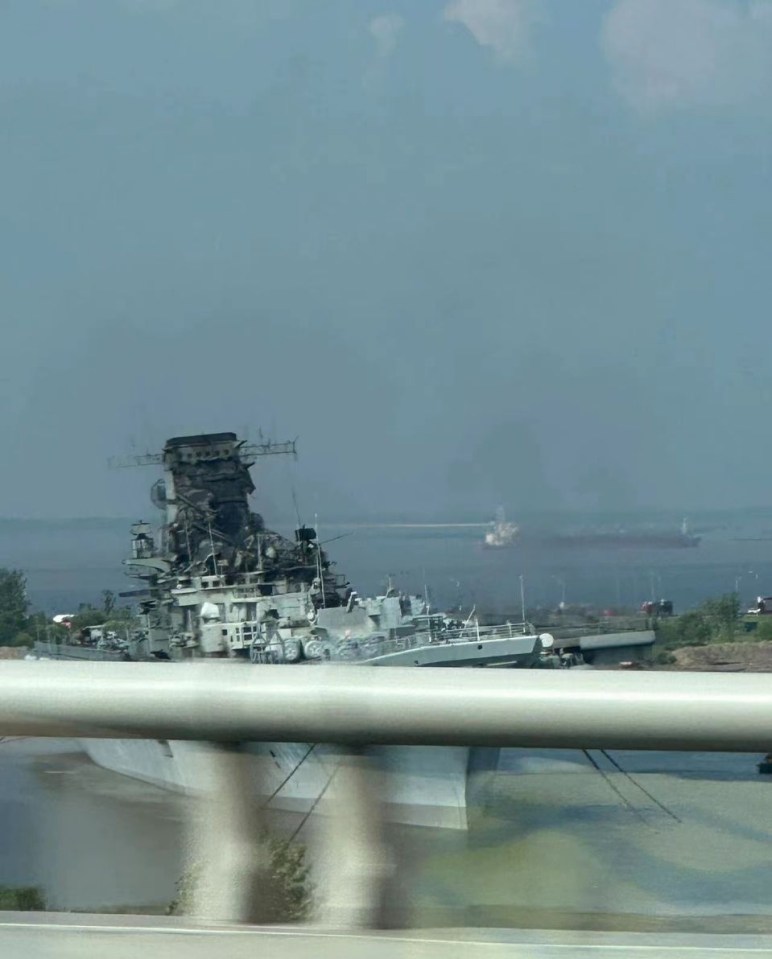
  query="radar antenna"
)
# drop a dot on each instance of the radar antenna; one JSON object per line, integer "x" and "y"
{"x": 247, "y": 451}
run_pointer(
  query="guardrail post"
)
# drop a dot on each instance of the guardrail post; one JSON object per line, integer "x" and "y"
{"x": 230, "y": 859}
{"x": 356, "y": 859}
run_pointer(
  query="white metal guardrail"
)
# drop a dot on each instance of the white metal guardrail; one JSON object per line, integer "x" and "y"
{"x": 358, "y": 705}
{"x": 225, "y": 703}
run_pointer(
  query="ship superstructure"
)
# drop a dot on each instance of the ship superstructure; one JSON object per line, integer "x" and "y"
{"x": 219, "y": 583}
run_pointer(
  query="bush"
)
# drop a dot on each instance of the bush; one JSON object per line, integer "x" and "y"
{"x": 13, "y": 605}
{"x": 664, "y": 658}
{"x": 714, "y": 621}
{"x": 688, "y": 629}
{"x": 291, "y": 893}
{"x": 722, "y": 616}
{"x": 763, "y": 631}
{"x": 85, "y": 617}
{"x": 22, "y": 899}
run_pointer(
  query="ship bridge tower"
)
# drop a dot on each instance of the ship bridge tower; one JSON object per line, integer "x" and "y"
{"x": 204, "y": 492}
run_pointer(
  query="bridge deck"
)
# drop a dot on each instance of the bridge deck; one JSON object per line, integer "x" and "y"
{"x": 44, "y": 936}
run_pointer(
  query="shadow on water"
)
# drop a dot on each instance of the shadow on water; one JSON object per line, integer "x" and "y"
{"x": 609, "y": 850}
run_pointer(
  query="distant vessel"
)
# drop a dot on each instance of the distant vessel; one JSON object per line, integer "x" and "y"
{"x": 501, "y": 534}
{"x": 622, "y": 538}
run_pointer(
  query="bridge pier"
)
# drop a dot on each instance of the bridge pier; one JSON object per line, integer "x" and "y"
{"x": 230, "y": 859}
{"x": 357, "y": 862}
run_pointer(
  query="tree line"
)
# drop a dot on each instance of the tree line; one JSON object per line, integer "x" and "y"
{"x": 21, "y": 626}
{"x": 717, "y": 620}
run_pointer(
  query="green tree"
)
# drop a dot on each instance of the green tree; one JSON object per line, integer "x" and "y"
{"x": 688, "y": 629}
{"x": 40, "y": 627}
{"x": 722, "y": 615}
{"x": 108, "y": 602}
{"x": 14, "y": 606}
{"x": 714, "y": 621}
{"x": 763, "y": 631}
{"x": 22, "y": 899}
{"x": 87, "y": 616}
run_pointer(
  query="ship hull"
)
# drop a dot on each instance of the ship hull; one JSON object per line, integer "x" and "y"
{"x": 621, "y": 541}
{"x": 624, "y": 542}
{"x": 425, "y": 785}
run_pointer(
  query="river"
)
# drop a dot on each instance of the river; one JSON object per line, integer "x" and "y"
{"x": 619, "y": 840}
{"x": 87, "y": 838}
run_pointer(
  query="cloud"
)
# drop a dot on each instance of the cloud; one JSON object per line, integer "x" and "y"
{"x": 674, "y": 54}
{"x": 503, "y": 25}
{"x": 385, "y": 30}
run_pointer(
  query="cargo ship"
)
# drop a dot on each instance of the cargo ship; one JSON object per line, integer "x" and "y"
{"x": 623, "y": 538}
{"x": 504, "y": 535}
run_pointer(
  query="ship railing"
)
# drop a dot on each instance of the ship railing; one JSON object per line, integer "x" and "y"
{"x": 253, "y": 591}
{"x": 371, "y": 647}
{"x": 472, "y": 632}
{"x": 365, "y": 649}
{"x": 360, "y": 709}
{"x": 70, "y": 650}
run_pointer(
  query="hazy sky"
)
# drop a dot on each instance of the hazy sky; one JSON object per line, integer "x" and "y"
{"x": 470, "y": 251}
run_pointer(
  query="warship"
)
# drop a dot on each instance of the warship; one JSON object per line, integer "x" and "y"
{"x": 217, "y": 583}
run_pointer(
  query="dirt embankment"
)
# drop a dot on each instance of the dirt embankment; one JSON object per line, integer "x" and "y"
{"x": 725, "y": 658}
{"x": 13, "y": 652}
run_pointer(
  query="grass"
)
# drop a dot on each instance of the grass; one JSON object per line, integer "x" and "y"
{"x": 22, "y": 899}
